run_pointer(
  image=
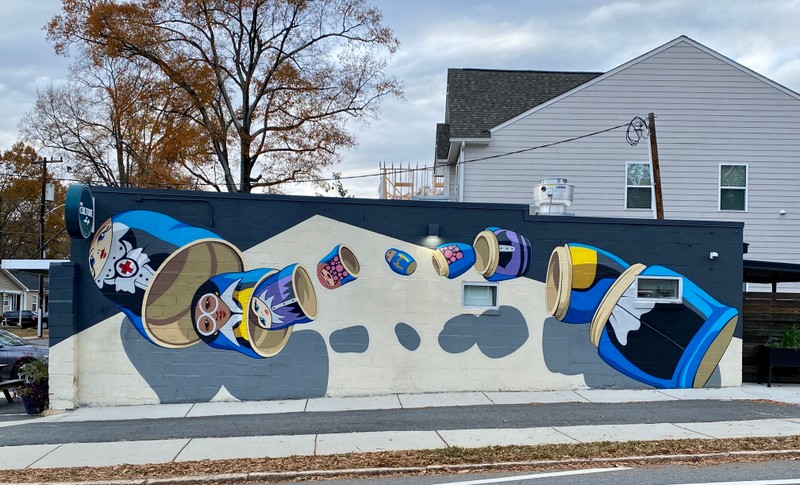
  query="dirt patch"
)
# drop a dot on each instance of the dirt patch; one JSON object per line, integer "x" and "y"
{"x": 547, "y": 456}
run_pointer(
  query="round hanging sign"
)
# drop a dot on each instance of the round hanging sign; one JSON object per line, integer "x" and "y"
{"x": 79, "y": 211}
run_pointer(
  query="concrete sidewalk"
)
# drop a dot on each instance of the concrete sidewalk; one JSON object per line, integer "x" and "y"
{"x": 67, "y": 453}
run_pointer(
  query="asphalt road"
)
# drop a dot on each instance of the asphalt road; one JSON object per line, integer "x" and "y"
{"x": 775, "y": 472}
{"x": 462, "y": 417}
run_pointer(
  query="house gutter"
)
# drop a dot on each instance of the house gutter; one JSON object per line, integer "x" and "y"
{"x": 460, "y": 171}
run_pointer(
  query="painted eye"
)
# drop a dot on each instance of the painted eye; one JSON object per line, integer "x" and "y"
{"x": 256, "y": 307}
{"x": 91, "y": 260}
{"x": 263, "y": 321}
{"x": 101, "y": 236}
{"x": 207, "y": 303}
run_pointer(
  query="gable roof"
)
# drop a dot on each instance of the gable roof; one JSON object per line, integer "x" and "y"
{"x": 657, "y": 50}
{"x": 479, "y": 99}
{"x": 8, "y": 278}
{"x": 29, "y": 280}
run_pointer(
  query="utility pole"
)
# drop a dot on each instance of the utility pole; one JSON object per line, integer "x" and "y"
{"x": 41, "y": 251}
{"x": 651, "y": 126}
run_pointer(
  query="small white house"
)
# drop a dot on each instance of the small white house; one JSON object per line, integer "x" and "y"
{"x": 728, "y": 141}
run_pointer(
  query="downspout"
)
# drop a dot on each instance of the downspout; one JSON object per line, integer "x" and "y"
{"x": 460, "y": 171}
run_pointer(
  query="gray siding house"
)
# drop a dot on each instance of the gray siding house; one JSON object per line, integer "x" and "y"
{"x": 728, "y": 141}
{"x": 19, "y": 290}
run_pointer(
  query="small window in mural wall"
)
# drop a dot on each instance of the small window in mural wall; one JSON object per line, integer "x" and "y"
{"x": 638, "y": 186}
{"x": 659, "y": 289}
{"x": 479, "y": 295}
{"x": 733, "y": 187}
{"x": 182, "y": 285}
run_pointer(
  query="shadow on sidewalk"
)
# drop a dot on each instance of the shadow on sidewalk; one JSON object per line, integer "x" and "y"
{"x": 12, "y": 411}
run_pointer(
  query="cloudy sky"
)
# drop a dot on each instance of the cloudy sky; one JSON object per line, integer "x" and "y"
{"x": 570, "y": 35}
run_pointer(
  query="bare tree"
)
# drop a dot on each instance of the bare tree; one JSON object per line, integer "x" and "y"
{"x": 116, "y": 122}
{"x": 271, "y": 83}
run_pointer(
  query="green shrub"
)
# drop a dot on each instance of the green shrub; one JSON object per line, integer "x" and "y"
{"x": 35, "y": 373}
{"x": 788, "y": 338}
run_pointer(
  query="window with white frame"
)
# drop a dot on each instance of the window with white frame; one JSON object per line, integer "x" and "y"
{"x": 34, "y": 302}
{"x": 479, "y": 295}
{"x": 6, "y": 302}
{"x": 733, "y": 187}
{"x": 638, "y": 186}
{"x": 659, "y": 289}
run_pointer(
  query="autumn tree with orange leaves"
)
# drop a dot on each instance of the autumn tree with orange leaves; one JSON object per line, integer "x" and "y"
{"x": 270, "y": 83}
{"x": 20, "y": 199}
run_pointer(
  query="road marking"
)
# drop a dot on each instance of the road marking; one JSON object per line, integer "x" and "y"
{"x": 538, "y": 475}
{"x": 780, "y": 481}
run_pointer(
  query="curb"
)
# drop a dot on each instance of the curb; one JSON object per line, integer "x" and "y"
{"x": 364, "y": 472}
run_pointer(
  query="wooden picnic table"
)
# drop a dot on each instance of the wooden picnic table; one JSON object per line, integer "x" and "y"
{"x": 9, "y": 384}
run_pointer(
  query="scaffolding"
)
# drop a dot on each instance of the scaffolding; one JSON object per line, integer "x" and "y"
{"x": 407, "y": 182}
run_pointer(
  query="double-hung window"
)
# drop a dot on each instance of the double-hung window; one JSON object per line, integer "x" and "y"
{"x": 733, "y": 187}
{"x": 638, "y": 186}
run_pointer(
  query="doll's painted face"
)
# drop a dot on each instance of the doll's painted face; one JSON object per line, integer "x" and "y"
{"x": 100, "y": 248}
{"x": 211, "y": 314}
{"x": 263, "y": 316}
{"x": 328, "y": 277}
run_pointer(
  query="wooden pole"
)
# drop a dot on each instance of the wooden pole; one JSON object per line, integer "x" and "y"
{"x": 651, "y": 125}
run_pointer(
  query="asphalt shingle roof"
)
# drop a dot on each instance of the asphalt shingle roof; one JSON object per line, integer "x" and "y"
{"x": 30, "y": 280}
{"x": 442, "y": 140}
{"x": 479, "y": 99}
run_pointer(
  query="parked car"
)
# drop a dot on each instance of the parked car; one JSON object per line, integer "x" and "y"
{"x": 13, "y": 318}
{"x": 15, "y": 351}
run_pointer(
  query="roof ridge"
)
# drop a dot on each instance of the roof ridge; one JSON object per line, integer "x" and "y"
{"x": 527, "y": 71}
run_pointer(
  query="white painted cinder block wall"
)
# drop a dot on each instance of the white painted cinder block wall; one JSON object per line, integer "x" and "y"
{"x": 93, "y": 368}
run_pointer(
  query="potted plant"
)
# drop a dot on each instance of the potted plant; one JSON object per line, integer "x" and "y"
{"x": 35, "y": 392}
{"x": 782, "y": 350}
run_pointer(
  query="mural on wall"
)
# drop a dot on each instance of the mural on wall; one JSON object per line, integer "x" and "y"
{"x": 253, "y": 312}
{"x": 578, "y": 277}
{"x": 407, "y": 336}
{"x": 496, "y": 334}
{"x": 663, "y": 342}
{"x": 501, "y": 254}
{"x": 338, "y": 268}
{"x": 452, "y": 260}
{"x": 401, "y": 262}
{"x": 353, "y": 339}
{"x": 179, "y": 284}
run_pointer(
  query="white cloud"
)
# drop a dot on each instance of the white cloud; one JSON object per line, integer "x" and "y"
{"x": 579, "y": 35}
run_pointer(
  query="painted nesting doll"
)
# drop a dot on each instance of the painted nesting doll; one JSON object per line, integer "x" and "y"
{"x": 452, "y": 260}
{"x": 501, "y": 254}
{"x": 666, "y": 345}
{"x": 578, "y": 277}
{"x": 150, "y": 265}
{"x": 338, "y": 267}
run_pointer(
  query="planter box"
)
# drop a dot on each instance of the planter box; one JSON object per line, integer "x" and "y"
{"x": 776, "y": 357}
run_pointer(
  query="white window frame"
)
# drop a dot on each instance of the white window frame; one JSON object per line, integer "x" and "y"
{"x": 746, "y": 188}
{"x": 34, "y": 302}
{"x": 679, "y": 298}
{"x": 652, "y": 203}
{"x": 496, "y": 302}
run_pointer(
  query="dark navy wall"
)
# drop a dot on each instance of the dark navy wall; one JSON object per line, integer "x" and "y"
{"x": 246, "y": 220}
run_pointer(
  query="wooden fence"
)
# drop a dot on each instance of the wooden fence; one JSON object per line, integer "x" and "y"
{"x": 765, "y": 314}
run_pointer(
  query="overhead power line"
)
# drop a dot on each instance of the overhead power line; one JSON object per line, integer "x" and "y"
{"x": 633, "y": 130}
